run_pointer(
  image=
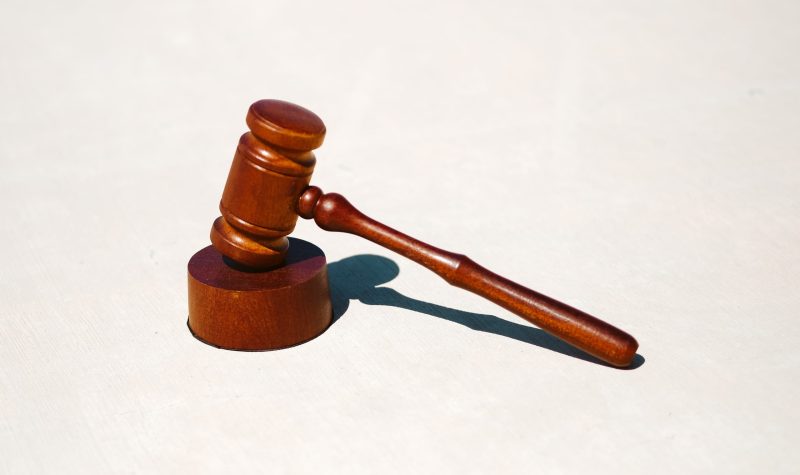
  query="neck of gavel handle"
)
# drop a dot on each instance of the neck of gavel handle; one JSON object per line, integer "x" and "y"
{"x": 333, "y": 212}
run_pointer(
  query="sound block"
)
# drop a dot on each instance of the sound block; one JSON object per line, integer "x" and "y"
{"x": 237, "y": 309}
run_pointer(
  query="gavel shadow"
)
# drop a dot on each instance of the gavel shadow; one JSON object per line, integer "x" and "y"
{"x": 359, "y": 277}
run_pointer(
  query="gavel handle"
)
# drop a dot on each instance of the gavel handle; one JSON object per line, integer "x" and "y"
{"x": 333, "y": 212}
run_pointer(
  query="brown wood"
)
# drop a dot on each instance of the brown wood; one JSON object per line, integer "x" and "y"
{"x": 333, "y": 212}
{"x": 271, "y": 168}
{"x": 238, "y": 309}
{"x": 267, "y": 188}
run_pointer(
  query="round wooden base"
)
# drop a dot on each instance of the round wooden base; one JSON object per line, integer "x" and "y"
{"x": 237, "y": 309}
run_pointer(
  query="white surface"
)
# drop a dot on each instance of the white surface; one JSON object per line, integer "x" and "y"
{"x": 639, "y": 160}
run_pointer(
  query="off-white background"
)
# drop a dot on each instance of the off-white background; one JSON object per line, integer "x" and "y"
{"x": 639, "y": 160}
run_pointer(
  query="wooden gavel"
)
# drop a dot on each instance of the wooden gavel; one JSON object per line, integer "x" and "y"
{"x": 268, "y": 188}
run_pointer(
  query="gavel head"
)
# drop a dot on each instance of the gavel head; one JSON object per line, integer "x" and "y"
{"x": 271, "y": 168}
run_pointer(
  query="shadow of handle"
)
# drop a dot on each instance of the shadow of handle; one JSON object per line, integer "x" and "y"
{"x": 333, "y": 212}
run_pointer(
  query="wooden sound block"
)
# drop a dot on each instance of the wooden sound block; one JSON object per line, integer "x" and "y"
{"x": 238, "y": 309}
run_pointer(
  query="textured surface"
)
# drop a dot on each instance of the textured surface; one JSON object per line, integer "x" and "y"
{"x": 645, "y": 157}
{"x": 235, "y": 308}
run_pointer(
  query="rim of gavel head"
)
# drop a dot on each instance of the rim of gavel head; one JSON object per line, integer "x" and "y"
{"x": 271, "y": 169}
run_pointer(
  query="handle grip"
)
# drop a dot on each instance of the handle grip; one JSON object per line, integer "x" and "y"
{"x": 333, "y": 212}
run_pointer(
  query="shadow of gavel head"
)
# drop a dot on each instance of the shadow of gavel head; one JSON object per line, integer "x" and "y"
{"x": 271, "y": 169}
{"x": 278, "y": 296}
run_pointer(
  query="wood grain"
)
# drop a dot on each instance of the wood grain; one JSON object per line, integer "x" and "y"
{"x": 333, "y": 212}
{"x": 240, "y": 309}
{"x": 267, "y": 188}
{"x": 271, "y": 168}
